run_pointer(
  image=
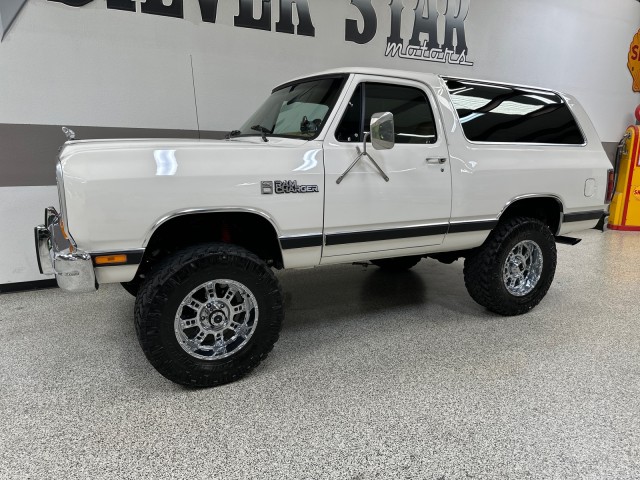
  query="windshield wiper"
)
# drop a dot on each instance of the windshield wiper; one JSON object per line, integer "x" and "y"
{"x": 232, "y": 133}
{"x": 262, "y": 130}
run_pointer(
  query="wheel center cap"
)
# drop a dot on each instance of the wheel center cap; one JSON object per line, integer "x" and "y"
{"x": 215, "y": 316}
{"x": 517, "y": 266}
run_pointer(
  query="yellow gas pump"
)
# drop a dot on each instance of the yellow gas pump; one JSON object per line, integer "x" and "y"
{"x": 624, "y": 212}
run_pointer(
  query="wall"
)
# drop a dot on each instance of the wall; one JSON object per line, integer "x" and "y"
{"x": 8, "y": 11}
{"x": 111, "y": 72}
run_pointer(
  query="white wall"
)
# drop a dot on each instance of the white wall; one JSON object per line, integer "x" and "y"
{"x": 96, "y": 66}
{"x": 21, "y": 209}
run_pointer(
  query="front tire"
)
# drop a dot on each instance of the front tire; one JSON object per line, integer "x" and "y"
{"x": 513, "y": 270}
{"x": 208, "y": 315}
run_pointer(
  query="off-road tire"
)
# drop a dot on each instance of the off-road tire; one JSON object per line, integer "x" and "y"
{"x": 483, "y": 269}
{"x": 398, "y": 264}
{"x": 161, "y": 295}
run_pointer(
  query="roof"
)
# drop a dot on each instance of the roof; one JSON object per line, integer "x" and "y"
{"x": 424, "y": 77}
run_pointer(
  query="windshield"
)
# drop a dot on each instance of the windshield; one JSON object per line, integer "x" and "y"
{"x": 297, "y": 110}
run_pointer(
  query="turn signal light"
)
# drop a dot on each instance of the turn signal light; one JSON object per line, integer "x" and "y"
{"x": 110, "y": 259}
{"x": 63, "y": 230}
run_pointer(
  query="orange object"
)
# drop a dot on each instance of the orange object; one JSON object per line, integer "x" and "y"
{"x": 110, "y": 259}
{"x": 624, "y": 212}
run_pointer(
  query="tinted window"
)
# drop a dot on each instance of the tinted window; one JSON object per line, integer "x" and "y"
{"x": 412, "y": 113}
{"x": 492, "y": 113}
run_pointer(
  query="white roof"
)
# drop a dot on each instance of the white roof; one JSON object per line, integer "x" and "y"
{"x": 424, "y": 77}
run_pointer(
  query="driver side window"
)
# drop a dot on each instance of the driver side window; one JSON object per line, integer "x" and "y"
{"x": 413, "y": 117}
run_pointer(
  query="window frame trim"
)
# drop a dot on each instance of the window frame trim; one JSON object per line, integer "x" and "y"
{"x": 363, "y": 78}
{"x": 329, "y": 117}
{"x": 585, "y": 143}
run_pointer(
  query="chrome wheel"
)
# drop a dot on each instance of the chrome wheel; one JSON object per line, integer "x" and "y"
{"x": 216, "y": 319}
{"x": 523, "y": 268}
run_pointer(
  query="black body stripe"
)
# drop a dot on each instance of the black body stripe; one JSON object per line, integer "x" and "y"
{"x": 133, "y": 258}
{"x": 377, "y": 235}
{"x": 582, "y": 216}
{"x": 289, "y": 243}
{"x": 472, "y": 226}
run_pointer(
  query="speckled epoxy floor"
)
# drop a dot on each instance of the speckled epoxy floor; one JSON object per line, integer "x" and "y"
{"x": 374, "y": 376}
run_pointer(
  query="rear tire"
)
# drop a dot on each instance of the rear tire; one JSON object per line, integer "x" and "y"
{"x": 513, "y": 270}
{"x": 398, "y": 264}
{"x": 208, "y": 315}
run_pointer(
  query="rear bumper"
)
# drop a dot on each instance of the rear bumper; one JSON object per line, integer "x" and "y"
{"x": 58, "y": 256}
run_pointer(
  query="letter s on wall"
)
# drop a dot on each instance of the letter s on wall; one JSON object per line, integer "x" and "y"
{"x": 352, "y": 34}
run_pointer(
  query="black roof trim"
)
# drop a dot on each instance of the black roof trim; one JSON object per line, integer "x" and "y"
{"x": 342, "y": 76}
{"x": 493, "y": 83}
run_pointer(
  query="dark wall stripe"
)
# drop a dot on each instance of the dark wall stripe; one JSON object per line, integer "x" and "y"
{"x": 304, "y": 241}
{"x": 28, "y": 153}
{"x": 23, "y": 286}
{"x": 9, "y": 10}
{"x": 582, "y": 216}
{"x": 472, "y": 226}
{"x": 377, "y": 235}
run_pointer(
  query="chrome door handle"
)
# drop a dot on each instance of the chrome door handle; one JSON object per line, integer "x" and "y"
{"x": 436, "y": 161}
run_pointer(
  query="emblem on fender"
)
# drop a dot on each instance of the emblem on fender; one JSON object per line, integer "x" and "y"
{"x": 287, "y": 186}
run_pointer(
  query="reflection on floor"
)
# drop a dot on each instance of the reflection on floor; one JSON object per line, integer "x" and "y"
{"x": 374, "y": 376}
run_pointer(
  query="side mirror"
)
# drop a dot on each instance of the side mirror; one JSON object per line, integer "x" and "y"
{"x": 382, "y": 131}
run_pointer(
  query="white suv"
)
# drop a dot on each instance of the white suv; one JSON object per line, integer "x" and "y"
{"x": 349, "y": 165}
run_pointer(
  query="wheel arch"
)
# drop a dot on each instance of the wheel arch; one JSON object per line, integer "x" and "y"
{"x": 251, "y": 229}
{"x": 548, "y": 208}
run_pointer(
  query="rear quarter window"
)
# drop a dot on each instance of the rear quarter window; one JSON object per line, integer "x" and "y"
{"x": 504, "y": 114}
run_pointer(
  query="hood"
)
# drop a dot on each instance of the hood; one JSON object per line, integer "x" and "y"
{"x": 73, "y": 147}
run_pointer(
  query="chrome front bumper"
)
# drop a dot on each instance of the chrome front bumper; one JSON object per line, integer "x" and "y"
{"x": 58, "y": 256}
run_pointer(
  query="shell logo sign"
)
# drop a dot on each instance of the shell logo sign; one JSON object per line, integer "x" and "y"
{"x": 634, "y": 61}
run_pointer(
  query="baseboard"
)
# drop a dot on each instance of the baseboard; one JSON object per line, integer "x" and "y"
{"x": 24, "y": 286}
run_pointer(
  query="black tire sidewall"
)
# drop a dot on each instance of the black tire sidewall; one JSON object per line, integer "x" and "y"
{"x": 538, "y": 233}
{"x": 156, "y": 329}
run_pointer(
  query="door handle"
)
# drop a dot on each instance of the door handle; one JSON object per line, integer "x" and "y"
{"x": 436, "y": 161}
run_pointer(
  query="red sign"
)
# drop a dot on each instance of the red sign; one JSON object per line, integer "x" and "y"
{"x": 634, "y": 61}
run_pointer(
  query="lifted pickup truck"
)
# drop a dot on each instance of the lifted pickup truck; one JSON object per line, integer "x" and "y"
{"x": 349, "y": 165}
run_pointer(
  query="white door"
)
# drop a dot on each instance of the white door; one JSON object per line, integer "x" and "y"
{"x": 365, "y": 213}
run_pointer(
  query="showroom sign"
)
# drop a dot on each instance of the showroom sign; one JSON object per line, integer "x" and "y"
{"x": 447, "y": 24}
{"x": 453, "y": 26}
{"x": 634, "y": 61}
